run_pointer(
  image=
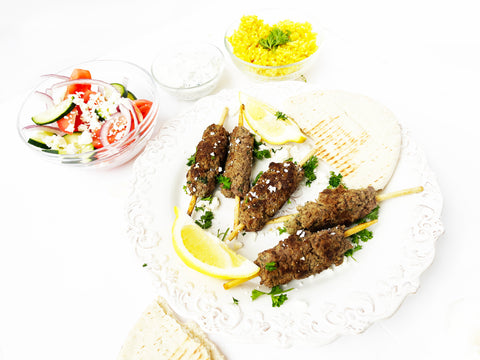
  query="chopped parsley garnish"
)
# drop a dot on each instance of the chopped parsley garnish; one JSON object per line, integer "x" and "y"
{"x": 235, "y": 301}
{"x": 282, "y": 230}
{"x": 260, "y": 154}
{"x": 207, "y": 198}
{"x": 277, "y": 294}
{"x": 222, "y": 235}
{"x": 205, "y": 221}
{"x": 191, "y": 160}
{"x": 203, "y": 179}
{"x": 271, "y": 266}
{"x": 309, "y": 170}
{"x": 226, "y": 182}
{"x": 144, "y": 265}
{"x": 257, "y": 177}
{"x": 362, "y": 236}
{"x": 275, "y": 38}
{"x": 280, "y": 116}
{"x": 335, "y": 181}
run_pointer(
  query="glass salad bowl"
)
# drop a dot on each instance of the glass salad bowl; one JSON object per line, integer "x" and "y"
{"x": 255, "y": 46}
{"x": 96, "y": 114}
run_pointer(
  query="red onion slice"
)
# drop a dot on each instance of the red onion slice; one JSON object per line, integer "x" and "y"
{"x": 108, "y": 124}
{"x": 99, "y": 83}
{"x": 57, "y": 76}
{"x": 56, "y": 131}
{"x": 47, "y": 99}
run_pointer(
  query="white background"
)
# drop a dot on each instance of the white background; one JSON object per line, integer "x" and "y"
{"x": 70, "y": 285}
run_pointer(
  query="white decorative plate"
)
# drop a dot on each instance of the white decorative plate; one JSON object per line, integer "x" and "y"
{"x": 343, "y": 300}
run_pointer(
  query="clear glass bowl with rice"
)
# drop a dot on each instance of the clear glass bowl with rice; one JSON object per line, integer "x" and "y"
{"x": 272, "y": 45}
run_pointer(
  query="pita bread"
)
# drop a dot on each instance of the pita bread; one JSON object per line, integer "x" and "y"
{"x": 159, "y": 335}
{"x": 357, "y": 136}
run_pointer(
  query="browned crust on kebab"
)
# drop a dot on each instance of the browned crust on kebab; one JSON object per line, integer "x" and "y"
{"x": 238, "y": 167}
{"x": 302, "y": 255}
{"x": 209, "y": 161}
{"x": 339, "y": 206}
{"x": 271, "y": 191}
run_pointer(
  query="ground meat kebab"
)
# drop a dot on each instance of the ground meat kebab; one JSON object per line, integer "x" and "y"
{"x": 238, "y": 167}
{"x": 301, "y": 255}
{"x": 209, "y": 161}
{"x": 267, "y": 196}
{"x": 339, "y": 206}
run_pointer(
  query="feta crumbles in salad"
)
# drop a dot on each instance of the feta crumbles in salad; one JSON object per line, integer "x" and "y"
{"x": 85, "y": 114}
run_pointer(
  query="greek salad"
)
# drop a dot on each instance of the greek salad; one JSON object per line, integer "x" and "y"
{"x": 83, "y": 114}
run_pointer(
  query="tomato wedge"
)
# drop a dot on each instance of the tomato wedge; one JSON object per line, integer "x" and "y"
{"x": 143, "y": 105}
{"x": 70, "y": 122}
{"x": 118, "y": 127}
{"x": 79, "y": 74}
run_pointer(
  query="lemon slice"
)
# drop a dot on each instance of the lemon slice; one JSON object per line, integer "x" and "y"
{"x": 262, "y": 119}
{"x": 206, "y": 253}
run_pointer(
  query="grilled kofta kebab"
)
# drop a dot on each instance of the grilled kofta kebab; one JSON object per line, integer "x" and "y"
{"x": 238, "y": 167}
{"x": 302, "y": 255}
{"x": 338, "y": 206}
{"x": 272, "y": 189}
{"x": 210, "y": 156}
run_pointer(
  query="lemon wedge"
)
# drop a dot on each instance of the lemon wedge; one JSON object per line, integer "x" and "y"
{"x": 263, "y": 120}
{"x": 206, "y": 253}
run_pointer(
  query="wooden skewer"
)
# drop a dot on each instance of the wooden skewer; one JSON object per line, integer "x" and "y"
{"x": 235, "y": 282}
{"x": 378, "y": 198}
{"x": 395, "y": 194}
{"x": 193, "y": 200}
{"x": 239, "y": 227}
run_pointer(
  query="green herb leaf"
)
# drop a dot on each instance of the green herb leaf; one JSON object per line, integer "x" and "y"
{"x": 207, "y": 198}
{"x": 191, "y": 160}
{"x": 309, "y": 170}
{"x": 277, "y": 294}
{"x": 282, "y": 230}
{"x": 235, "y": 301}
{"x": 256, "y": 294}
{"x": 205, "y": 221}
{"x": 257, "y": 177}
{"x": 278, "y": 301}
{"x": 260, "y": 154}
{"x": 275, "y": 38}
{"x": 335, "y": 180}
{"x": 280, "y": 116}
{"x": 224, "y": 181}
{"x": 271, "y": 266}
{"x": 222, "y": 235}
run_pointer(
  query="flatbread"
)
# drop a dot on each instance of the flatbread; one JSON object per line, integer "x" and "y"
{"x": 159, "y": 335}
{"x": 354, "y": 134}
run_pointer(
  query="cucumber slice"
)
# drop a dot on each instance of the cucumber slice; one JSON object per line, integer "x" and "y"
{"x": 78, "y": 148}
{"x": 54, "y": 113}
{"x": 38, "y": 139}
{"x": 120, "y": 88}
{"x": 131, "y": 96}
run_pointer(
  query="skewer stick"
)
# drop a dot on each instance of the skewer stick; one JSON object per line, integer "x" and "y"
{"x": 395, "y": 194}
{"x": 193, "y": 200}
{"x": 235, "y": 282}
{"x": 378, "y": 198}
{"x": 307, "y": 157}
{"x": 237, "y": 198}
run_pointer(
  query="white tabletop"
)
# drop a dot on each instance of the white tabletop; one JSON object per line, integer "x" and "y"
{"x": 71, "y": 285}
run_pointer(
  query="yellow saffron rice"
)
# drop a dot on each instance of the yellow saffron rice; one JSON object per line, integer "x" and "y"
{"x": 245, "y": 42}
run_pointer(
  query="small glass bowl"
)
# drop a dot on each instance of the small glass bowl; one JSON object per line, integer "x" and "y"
{"x": 189, "y": 71}
{"x": 281, "y": 72}
{"x": 140, "y": 82}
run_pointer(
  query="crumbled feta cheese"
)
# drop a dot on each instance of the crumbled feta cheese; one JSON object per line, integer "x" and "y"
{"x": 272, "y": 188}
